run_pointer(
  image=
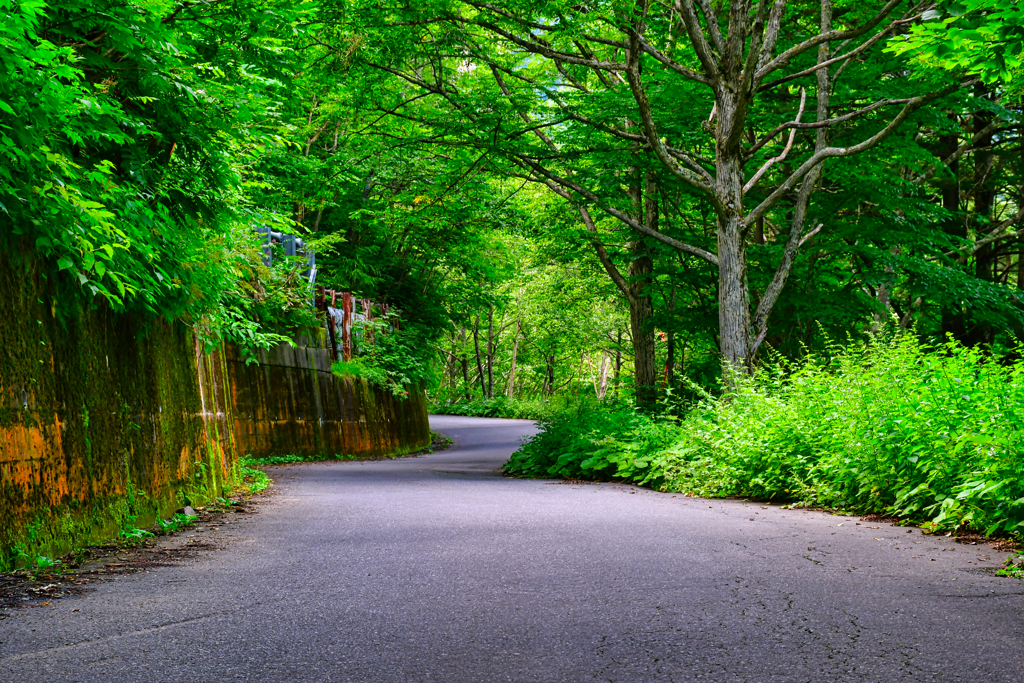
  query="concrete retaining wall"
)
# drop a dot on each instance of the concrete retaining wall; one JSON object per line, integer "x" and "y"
{"x": 109, "y": 420}
{"x": 291, "y": 403}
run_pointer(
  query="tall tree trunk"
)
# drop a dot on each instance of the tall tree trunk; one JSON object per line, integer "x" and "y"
{"x": 490, "y": 352}
{"x": 984, "y": 200}
{"x": 452, "y": 367}
{"x": 733, "y": 299}
{"x": 549, "y": 374}
{"x": 512, "y": 370}
{"x": 641, "y": 306}
{"x": 465, "y": 366}
{"x": 670, "y": 351}
{"x": 618, "y": 362}
{"x": 479, "y": 360}
{"x": 953, "y": 321}
{"x": 602, "y": 379}
{"x": 670, "y": 360}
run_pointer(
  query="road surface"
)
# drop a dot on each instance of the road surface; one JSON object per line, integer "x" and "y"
{"x": 437, "y": 568}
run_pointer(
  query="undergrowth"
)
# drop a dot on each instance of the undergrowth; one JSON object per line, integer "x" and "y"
{"x": 504, "y": 407}
{"x": 437, "y": 442}
{"x": 288, "y": 459}
{"x": 933, "y": 435}
{"x": 252, "y": 480}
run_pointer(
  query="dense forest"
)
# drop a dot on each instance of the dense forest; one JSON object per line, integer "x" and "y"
{"x": 646, "y": 222}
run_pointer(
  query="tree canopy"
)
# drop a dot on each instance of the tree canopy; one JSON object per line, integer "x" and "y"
{"x": 604, "y": 198}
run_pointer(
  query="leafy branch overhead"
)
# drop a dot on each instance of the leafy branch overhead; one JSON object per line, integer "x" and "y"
{"x": 709, "y": 98}
{"x": 603, "y": 197}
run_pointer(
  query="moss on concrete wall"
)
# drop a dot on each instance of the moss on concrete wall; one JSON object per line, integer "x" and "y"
{"x": 101, "y": 424}
{"x": 291, "y": 403}
{"x": 108, "y": 421}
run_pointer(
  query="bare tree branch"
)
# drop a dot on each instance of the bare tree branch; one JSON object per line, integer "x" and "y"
{"x": 583, "y": 192}
{"x": 704, "y": 52}
{"x": 712, "y": 21}
{"x": 822, "y": 124}
{"x": 785, "y": 57}
{"x": 828, "y": 152}
{"x": 960, "y": 151}
{"x": 602, "y": 255}
{"x": 672, "y": 64}
{"x": 768, "y": 164}
{"x": 999, "y": 231}
{"x": 541, "y": 49}
{"x": 803, "y": 200}
{"x": 771, "y": 33}
{"x": 657, "y": 144}
{"x": 849, "y": 55}
{"x": 693, "y": 161}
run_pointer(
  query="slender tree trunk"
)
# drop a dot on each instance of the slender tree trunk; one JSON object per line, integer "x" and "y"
{"x": 602, "y": 379}
{"x": 733, "y": 300}
{"x": 984, "y": 199}
{"x": 549, "y": 374}
{"x": 618, "y": 362}
{"x": 953, "y": 321}
{"x": 1020, "y": 202}
{"x": 452, "y": 367}
{"x": 465, "y": 366}
{"x": 512, "y": 370}
{"x": 670, "y": 360}
{"x": 670, "y": 350}
{"x": 479, "y": 360}
{"x": 490, "y": 352}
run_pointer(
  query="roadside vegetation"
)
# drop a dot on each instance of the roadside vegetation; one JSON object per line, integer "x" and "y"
{"x": 793, "y": 274}
{"x": 931, "y": 435}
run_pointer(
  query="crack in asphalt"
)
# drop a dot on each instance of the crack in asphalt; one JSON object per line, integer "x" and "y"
{"x": 439, "y": 569}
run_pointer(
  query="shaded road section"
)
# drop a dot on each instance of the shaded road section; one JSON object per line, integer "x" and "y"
{"x": 437, "y": 568}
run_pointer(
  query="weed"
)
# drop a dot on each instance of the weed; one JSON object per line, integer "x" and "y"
{"x": 892, "y": 427}
{"x": 512, "y": 408}
{"x": 43, "y": 563}
{"x": 176, "y": 523}
{"x": 1014, "y": 566}
{"x": 132, "y": 535}
{"x": 289, "y": 459}
{"x": 253, "y": 481}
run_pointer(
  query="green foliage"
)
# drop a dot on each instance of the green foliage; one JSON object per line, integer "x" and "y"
{"x": 537, "y": 408}
{"x": 983, "y": 38}
{"x": 360, "y": 368}
{"x": 931, "y": 434}
{"x": 132, "y": 535}
{"x": 176, "y": 523}
{"x": 1013, "y": 567}
{"x": 594, "y": 440}
{"x": 258, "y": 304}
{"x": 398, "y": 358}
{"x": 251, "y": 479}
{"x": 43, "y": 563}
{"x": 125, "y": 132}
{"x": 290, "y": 459}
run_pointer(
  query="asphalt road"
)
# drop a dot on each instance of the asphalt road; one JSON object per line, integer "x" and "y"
{"x": 438, "y": 569}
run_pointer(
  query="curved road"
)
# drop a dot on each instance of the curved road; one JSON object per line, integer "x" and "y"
{"x": 438, "y": 569}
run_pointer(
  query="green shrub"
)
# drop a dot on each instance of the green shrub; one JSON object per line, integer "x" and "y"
{"x": 593, "y": 440}
{"x": 362, "y": 369}
{"x": 504, "y": 407}
{"x": 399, "y": 359}
{"x": 893, "y": 426}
